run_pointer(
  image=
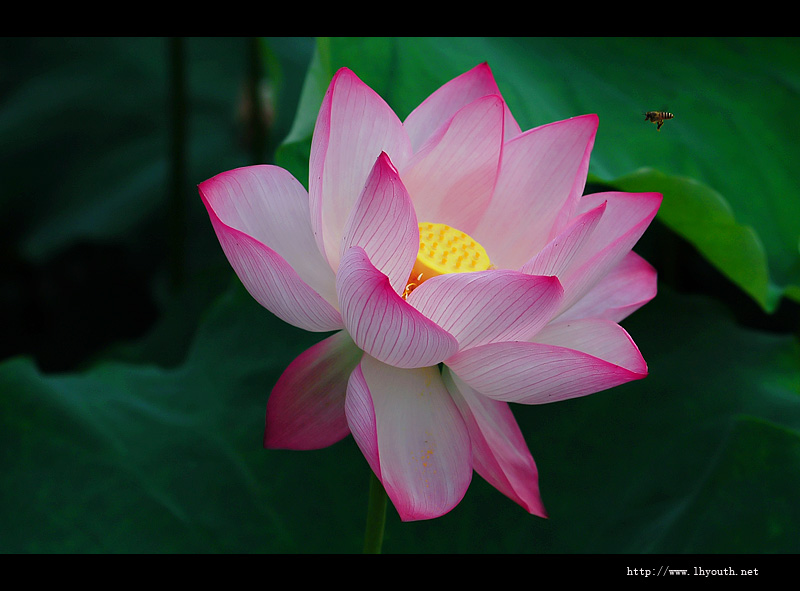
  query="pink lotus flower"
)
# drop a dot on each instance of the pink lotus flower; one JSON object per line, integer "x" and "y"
{"x": 430, "y": 348}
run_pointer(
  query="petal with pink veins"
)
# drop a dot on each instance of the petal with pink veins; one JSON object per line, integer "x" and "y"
{"x": 541, "y": 170}
{"x": 353, "y": 127}
{"x": 413, "y": 436}
{"x": 499, "y": 452}
{"x": 381, "y": 322}
{"x": 626, "y": 288}
{"x": 383, "y": 223}
{"x": 273, "y": 283}
{"x": 626, "y": 217}
{"x": 556, "y": 258}
{"x": 451, "y": 177}
{"x": 360, "y": 413}
{"x": 306, "y": 407}
{"x": 270, "y": 205}
{"x": 488, "y": 306}
{"x": 568, "y": 359}
{"x": 440, "y": 106}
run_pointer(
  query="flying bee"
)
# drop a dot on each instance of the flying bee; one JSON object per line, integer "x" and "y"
{"x": 658, "y": 117}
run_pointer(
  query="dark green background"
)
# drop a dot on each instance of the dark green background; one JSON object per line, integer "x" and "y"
{"x": 135, "y": 369}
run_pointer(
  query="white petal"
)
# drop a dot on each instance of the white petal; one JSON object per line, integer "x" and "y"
{"x": 413, "y": 436}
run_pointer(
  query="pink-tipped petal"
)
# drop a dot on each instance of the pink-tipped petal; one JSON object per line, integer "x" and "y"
{"x": 626, "y": 288}
{"x": 381, "y": 322}
{"x": 572, "y": 204}
{"x": 273, "y": 283}
{"x": 360, "y": 412}
{"x": 556, "y": 258}
{"x": 568, "y": 360}
{"x": 439, "y": 107}
{"x": 270, "y": 205}
{"x": 451, "y": 178}
{"x": 538, "y": 176}
{"x": 413, "y": 437}
{"x": 499, "y": 452}
{"x": 306, "y": 407}
{"x": 599, "y": 337}
{"x": 383, "y": 223}
{"x": 353, "y": 127}
{"x": 488, "y": 306}
{"x": 626, "y": 217}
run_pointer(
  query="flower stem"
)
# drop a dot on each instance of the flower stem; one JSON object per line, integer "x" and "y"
{"x": 376, "y": 516}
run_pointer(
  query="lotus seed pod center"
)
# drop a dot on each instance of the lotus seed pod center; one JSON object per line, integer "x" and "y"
{"x": 443, "y": 249}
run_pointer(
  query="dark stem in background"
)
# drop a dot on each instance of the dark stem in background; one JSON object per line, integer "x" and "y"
{"x": 176, "y": 229}
{"x": 257, "y": 125}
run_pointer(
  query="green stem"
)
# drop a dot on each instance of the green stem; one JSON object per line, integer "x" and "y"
{"x": 376, "y": 516}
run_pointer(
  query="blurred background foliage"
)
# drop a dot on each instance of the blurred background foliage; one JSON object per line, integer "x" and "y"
{"x": 134, "y": 369}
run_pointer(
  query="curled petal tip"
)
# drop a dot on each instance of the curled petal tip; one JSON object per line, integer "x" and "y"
{"x": 384, "y": 159}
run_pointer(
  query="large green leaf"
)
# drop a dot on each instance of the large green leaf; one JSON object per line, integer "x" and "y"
{"x": 733, "y": 134}
{"x": 137, "y": 458}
